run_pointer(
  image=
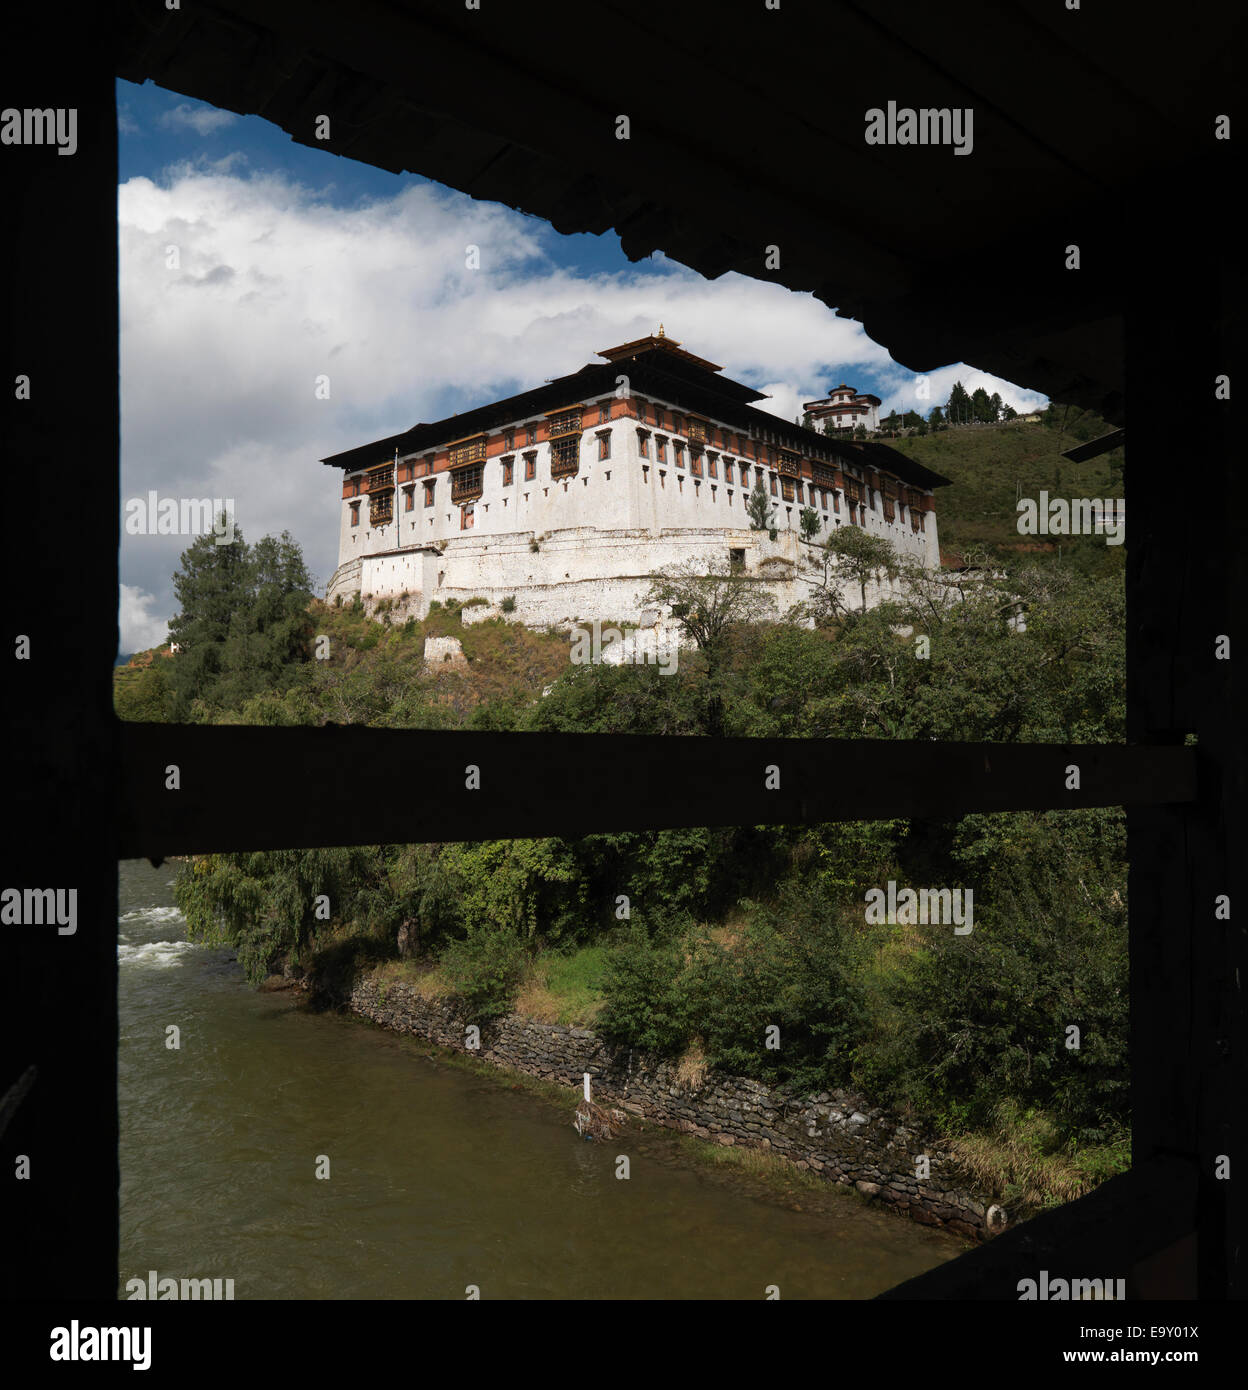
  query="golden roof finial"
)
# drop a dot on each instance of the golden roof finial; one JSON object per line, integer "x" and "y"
{"x": 661, "y": 333}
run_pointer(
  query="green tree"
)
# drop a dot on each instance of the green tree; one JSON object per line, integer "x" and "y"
{"x": 211, "y": 587}
{"x": 243, "y": 624}
{"x": 808, "y": 518}
{"x": 760, "y": 509}
{"x": 982, "y": 409}
{"x": 852, "y": 555}
{"x": 959, "y": 405}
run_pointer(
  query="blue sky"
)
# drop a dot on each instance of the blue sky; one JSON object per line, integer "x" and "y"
{"x": 251, "y": 267}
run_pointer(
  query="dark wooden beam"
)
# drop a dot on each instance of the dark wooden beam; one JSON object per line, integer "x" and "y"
{"x": 262, "y": 788}
{"x": 58, "y": 993}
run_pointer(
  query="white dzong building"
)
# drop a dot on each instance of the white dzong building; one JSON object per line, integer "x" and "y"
{"x": 568, "y": 497}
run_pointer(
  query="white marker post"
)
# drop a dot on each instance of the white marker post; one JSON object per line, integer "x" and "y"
{"x": 586, "y": 1074}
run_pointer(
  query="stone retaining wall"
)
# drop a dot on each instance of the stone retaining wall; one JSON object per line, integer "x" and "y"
{"x": 833, "y": 1132}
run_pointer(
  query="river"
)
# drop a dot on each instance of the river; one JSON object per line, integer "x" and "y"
{"x": 440, "y": 1178}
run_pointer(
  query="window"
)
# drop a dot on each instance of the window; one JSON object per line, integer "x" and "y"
{"x": 696, "y": 430}
{"x": 468, "y": 451}
{"x": 712, "y": 465}
{"x": 530, "y": 462}
{"x": 736, "y": 558}
{"x": 355, "y": 513}
{"x": 467, "y": 483}
{"x": 786, "y": 488}
{"x": 658, "y": 415}
{"x": 604, "y": 412}
{"x": 408, "y": 500}
{"x": 530, "y": 434}
{"x": 381, "y": 509}
{"x": 509, "y": 440}
{"x": 563, "y": 422}
{"x": 695, "y": 460}
{"x": 565, "y": 455}
{"x": 728, "y": 470}
{"x": 660, "y": 448}
{"x": 467, "y": 516}
{"x": 643, "y": 443}
{"x": 430, "y": 483}
{"x": 509, "y": 470}
{"x": 604, "y": 444}
{"x": 678, "y": 452}
{"x": 773, "y": 485}
{"x": 641, "y": 410}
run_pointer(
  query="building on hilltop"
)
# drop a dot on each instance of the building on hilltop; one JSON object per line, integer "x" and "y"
{"x": 846, "y": 409}
{"x": 566, "y": 498}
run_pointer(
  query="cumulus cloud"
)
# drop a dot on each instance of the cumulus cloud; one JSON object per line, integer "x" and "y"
{"x": 203, "y": 120}
{"x": 140, "y": 628}
{"x": 239, "y": 293}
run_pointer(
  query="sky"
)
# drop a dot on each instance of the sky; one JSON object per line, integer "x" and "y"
{"x": 250, "y": 267}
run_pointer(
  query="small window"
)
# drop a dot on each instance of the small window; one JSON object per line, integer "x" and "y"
{"x": 530, "y": 462}
{"x": 773, "y": 484}
{"x": 660, "y": 448}
{"x": 408, "y": 500}
{"x": 604, "y": 445}
{"x": 530, "y": 437}
{"x": 736, "y": 559}
{"x": 355, "y": 513}
{"x": 509, "y": 440}
{"x": 604, "y": 412}
{"x": 509, "y": 471}
{"x": 429, "y": 487}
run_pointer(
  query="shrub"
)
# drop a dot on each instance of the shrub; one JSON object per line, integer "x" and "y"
{"x": 508, "y": 605}
{"x": 484, "y": 971}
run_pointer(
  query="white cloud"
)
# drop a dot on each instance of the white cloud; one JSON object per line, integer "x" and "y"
{"x": 203, "y": 120}
{"x": 140, "y": 629}
{"x": 275, "y": 287}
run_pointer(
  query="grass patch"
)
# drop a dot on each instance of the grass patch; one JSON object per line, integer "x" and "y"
{"x": 564, "y": 989}
{"x": 1021, "y": 1163}
{"x": 423, "y": 978}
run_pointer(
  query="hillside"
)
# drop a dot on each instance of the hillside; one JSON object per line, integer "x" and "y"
{"x": 374, "y": 674}
{"x": 991, "y": 466}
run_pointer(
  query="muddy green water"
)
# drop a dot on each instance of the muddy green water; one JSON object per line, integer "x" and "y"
{"x": 439, "y": 1178}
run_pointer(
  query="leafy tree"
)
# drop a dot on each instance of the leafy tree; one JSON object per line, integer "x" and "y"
{"x": 243, "y": 624}
{"x": 852, "y": 555}
{"x": 707, "y": 603}
{"x": 810, "y": 522}
{"x": 708, "y": 606}
{"x": 982, "y": 409}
